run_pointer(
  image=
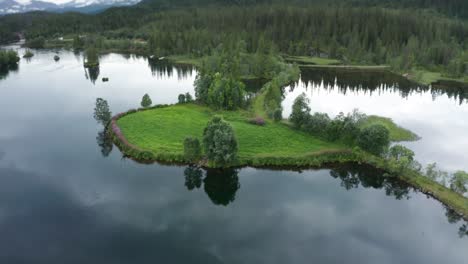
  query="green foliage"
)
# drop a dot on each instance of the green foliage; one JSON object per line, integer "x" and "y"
{"x": 317, "y": 124}
{"x": 374, "y": 139}
{"x": 300, "y": 111}
{"x": 181, "y": 98}
{"x": 192, "y": 149}
{"x": 459, "y": 182}
{"x": 91, "y": 57}
{"x": 397, "y": 133}
{"x": 226, "y": 93}
{"x": 188, "y": 98}
{"x": 28, "y": 54}
{"x": 36, "y": 43}
{"x": 219, "y": 142}
{"x": 102, "y": 114}
{"x": 278, "y": 115}
{"x": 78, "y": 42}
{"x": 146, "y": 101}
{"x": 8, "y": 59}
{"x": 402, "y": 158}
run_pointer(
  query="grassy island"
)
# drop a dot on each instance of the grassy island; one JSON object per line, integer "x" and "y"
{"x": 161, "y": 131}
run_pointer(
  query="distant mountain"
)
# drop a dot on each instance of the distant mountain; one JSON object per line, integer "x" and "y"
{"x": 83, "y": 6}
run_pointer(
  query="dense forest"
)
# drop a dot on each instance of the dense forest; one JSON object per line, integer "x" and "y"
{"x": 404, "y": 34}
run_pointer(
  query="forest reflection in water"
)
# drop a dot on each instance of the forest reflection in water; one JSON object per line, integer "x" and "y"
{"x": 377, "y": 81}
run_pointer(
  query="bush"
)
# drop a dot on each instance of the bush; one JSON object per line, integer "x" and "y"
{"x": 181, "y": 98}
{"x": 257, "y": 121}
{"x": 374, "y": 139}
{"x": 317, "y": 124}
{"x": 219, "y": 142}
{"x": 278, "y": 115}
{"x": 146, "y": 101}
{"x": 192, "y": 149}
{"x": 36, "y": 43}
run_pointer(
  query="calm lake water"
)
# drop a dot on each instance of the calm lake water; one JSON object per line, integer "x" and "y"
{"x": 438, "y": 115}
{"x": 66, "y": 197}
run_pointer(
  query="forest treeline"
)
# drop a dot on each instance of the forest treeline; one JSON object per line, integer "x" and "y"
{"x": 354, "y": 31}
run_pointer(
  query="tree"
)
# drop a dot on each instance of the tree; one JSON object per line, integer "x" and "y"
{"x": 403, "y": 157}
{"x": 459, "y": 181}
{"x": 192, "y": 148}
{"x": 219, "y": 142}
{"x": 146, "y": 101}
{"x": 188, "y": 98}
{"x": 278, "y": 114}
{"x": 102, "y": 114}
{"x": 300, "y": 111}
{"x": 181, "y": 98}
{"x": 374, "y": 139}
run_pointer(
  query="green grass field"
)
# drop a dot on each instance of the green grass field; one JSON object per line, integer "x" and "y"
{"x": 163, "y": 131}
{"x": 397, "y": 133}
{"x": 312, "y": 60}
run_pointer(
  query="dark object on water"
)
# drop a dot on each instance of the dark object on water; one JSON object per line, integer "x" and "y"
{"x": 56, "y": 58}
{"x": 105, "y": 79}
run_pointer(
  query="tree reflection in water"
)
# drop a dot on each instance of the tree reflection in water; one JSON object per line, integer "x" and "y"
{"x": 220, "y": 185}
{"x": 102, "y": 115}
{"x": 92, "y": 74}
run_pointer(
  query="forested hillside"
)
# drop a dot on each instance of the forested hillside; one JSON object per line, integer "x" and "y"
{"x": 403, "y": 34}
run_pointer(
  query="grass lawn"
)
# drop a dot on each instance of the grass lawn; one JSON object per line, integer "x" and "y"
{"x": 312, "y": 60}
{"x": 164, "y": 129}
{"x": 397, "y": 133}
{"x": 428, "y": 77}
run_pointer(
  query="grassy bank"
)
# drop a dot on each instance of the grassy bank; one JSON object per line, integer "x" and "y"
{"x": 306, "y": 60}
{"x": 397, "y": 133}
{"x": 456, "y": 201}
{"x": 162, "y": 131}
{"x": 157, "y": 134}
{"x": 428, "y": 77}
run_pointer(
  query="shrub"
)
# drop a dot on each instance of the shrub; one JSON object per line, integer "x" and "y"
{"x": 219, "y": 142}
{"x": 278, "y": 114}
{"x": 181, "y": 98}
{"x": 257, "y": 121}
{"x": 36, "y": 43}
{"x": 146, "y": 101}
{"x": 317, "y": 124}
{"x": 192, "y": 149}
{"x": 374, "y": 139}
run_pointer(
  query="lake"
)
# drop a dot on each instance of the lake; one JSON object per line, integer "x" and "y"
{"x": 437, "y": 114}
{"x": 68, "y": 197}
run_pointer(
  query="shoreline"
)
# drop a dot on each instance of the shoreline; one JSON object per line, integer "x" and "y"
{"x": 317, "y": 160}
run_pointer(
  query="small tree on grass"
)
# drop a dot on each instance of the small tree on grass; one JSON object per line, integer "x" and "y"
{"x": 181, "y": 98}
{"x": 300, "y": 111}
{"x": 146, "y": 101}
{"x": 192, "y": 148}
{"x": 219, "y": 142}
{"x": 374, "y": 139}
